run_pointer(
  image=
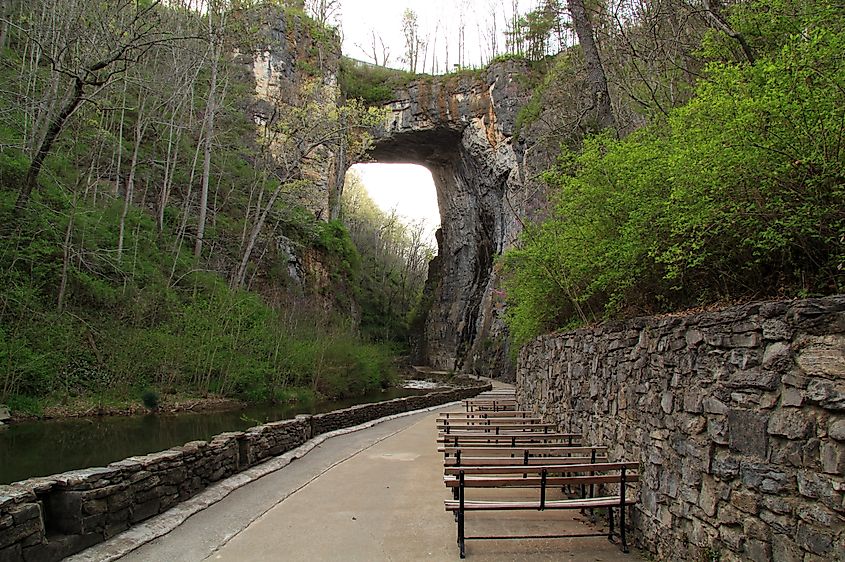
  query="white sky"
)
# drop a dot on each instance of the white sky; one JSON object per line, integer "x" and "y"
{"x": 408, "y": 188}
{"x": 439, "y": 24}
{"x": 405, "y": 187}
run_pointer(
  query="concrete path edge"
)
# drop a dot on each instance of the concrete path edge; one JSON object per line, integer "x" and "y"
{"x": 133, "y": 538}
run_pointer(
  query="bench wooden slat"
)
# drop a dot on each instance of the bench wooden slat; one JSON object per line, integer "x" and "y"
{"x": 535, "y": 482}
{"x": 549, "y": 467}
{"x": 487, "y": 428}
{"x": 508, "y": 461}
{"x": 502, "y": 414}
{"x": 520, "y": 450}
{"x": 467, "y": 439}
{"x": 586, "y": 503}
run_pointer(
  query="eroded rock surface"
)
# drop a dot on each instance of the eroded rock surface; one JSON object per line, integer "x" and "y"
{"x": 461, "y": 128}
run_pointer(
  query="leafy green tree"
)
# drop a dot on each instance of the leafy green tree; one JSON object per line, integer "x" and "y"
{"x": 740, "y": 194}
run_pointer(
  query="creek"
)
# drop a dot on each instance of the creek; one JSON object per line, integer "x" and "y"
{"x": 42, "y": 448}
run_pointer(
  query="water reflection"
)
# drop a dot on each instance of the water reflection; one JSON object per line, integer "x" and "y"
{"x": 54, "y": 446}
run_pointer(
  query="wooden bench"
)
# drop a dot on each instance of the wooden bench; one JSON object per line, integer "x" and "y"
{"x": 484, "y": 415}
{"x": 487, "y": 420}
{"x": 523, "y": 438}
{"x": 525, "y": 456}
{"x": 529, "y": 454}
{"x": 490, "y": 406}
{"x": 495, "y": 428}
{"x": 541, "y": 478}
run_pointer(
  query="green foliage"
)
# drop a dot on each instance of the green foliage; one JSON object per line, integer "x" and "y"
{"x": 394, "y": 264}
{"x": 374, "y": 85}
{"x": 335, "y": 239}
{"x": 741, "y": 194}
{"x": 150, "y": 399}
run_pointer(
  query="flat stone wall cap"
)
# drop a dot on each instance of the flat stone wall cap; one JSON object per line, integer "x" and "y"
{"x": 193, "y": 446}
{"x": 126, "y": 465}
{"x": 228, "y": 435}
{"x": 86, "y": 475}
{"x": 14, "y": 494}
{"x": 39, "y": 484}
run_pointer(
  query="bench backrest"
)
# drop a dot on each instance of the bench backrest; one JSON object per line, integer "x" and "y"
{"x": 496, "y": 428}
{"x": 541, "y": 476}
{"x": 482, "y": 415}
{"x": 519, "y": 451}
{"x": 466, "y": 439}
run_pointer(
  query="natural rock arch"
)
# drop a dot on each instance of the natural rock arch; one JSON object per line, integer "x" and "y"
{"x": 460, "y": 128}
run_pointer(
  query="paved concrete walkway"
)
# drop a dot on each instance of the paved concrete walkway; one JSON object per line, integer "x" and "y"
{"x": 375, "y": 494}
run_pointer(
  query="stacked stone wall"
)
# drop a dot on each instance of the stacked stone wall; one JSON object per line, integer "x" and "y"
{"x": 737, "y": 418}
{"x": 46, "y": 519}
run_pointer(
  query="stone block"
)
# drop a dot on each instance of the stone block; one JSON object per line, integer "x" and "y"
{"x": 713, "y": 405}
{"x": 748, "y": 339}
{"x": 746, "y": 501}
{"x": 717, "y": 430}
{"x": 119, "y": 501}
{"x": 732, "y": 537}
{"x": 754, "y": 378}
{"x": 703, "y": 534}
{"x": 823, "y": 356}
{"x": 816, "y": 514}
{"x": 725, "y": 465}
{"x": 693, "y": 401}
{"x": 20, "y": 532}
{"x": 792, "y": 423}
{"x": 25, "y": 512}
{"x": 814, "y": 539}
{"x": 766, "y": 478}
{"x": 139, "y": 512}
{"x": 667, "y": 402}
{"x": 756, "y": 529}
{"x": 780, "y": 523}
{"x": 784, "y": 549}
{"x": 758, "y": 551}
{"x": 833, "y": 458}
{"x": 747, "y": 432}
{"x": 777, "y": 355}
{"x": 791, "y": 397}
{"x": 774, "y": 329}
{"x": 11, "y": 553}
{"x": 93, "y": 507}
{"x": 828, "y": 394}
{"x": 836, "y": 430}
{"x": 779, "y": 505}
{"x": 707, "y": 496}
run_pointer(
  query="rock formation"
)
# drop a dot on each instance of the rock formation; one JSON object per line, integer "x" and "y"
{"x": 461, "y": 128}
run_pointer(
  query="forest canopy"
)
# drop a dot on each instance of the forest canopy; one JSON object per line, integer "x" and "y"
{"x": 738, "y": 194}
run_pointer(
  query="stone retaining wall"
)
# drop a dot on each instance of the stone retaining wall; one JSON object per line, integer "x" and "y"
{"x": 737, "y": 416}
{"x": 46, "y": 519}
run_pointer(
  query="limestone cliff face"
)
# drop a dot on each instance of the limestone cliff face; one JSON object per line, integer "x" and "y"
{"x": 462, "y": 129}
{"x": 292, "y": 57}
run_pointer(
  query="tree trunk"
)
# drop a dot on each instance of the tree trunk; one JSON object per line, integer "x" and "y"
{"x": 56, "y": 125}
{"x": 130, "y": 182}
{"x": 599, "y": 107}
{"x": 206, "y": 164}
{"x": 240, "y": 274}
{"x": 714, "y": 15}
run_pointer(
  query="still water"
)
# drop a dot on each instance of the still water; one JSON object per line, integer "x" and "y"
{"x": 49, "y": 447}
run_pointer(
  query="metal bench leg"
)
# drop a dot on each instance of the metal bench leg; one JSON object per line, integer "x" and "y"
{"x": 461, "y": 496}
{"x": 461, "y": 539}
{"x": 622, "y": 511}
{"x": 622, "y": 531}
{"x": 610, "y": 524}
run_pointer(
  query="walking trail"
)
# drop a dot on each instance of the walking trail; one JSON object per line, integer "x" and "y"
{"x": 371, "y": 495}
